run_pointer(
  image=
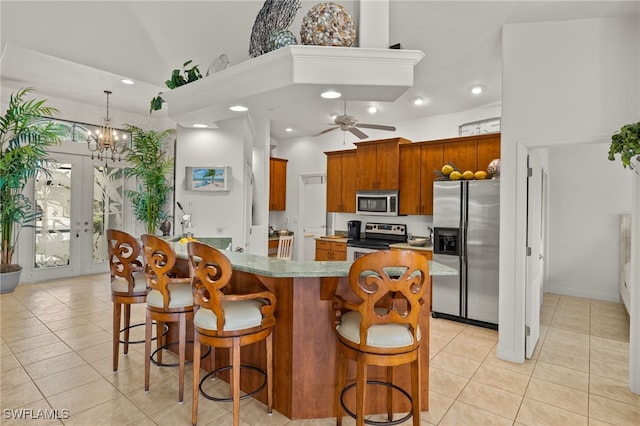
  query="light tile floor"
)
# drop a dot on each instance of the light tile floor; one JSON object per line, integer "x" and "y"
{"x": 56, "y": 354}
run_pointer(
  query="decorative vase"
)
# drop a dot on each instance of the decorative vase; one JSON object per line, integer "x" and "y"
{"x": 328, "y": 24}
{"x": 9, "y": 281}
{"x": 281, "y": 38}
{"x": 165, "y": 227}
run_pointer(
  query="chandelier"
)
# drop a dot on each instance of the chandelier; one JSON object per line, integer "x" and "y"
{"x": 106, "y": 139}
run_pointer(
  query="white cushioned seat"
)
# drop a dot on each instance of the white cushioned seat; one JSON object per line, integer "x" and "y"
{"x": 121, "y": 285}
{"x": 181, "y": 296}
{"x": 379, "y": 335}
{"x": 239, "y": 315}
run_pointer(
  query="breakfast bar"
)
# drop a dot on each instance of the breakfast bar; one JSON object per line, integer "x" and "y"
{"x": 304, "y": 343}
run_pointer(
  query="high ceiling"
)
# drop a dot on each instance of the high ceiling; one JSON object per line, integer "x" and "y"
{"x": 90, "y": 45}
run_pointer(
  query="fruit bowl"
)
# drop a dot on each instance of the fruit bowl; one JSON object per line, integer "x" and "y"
{"x": 417, "y": 242}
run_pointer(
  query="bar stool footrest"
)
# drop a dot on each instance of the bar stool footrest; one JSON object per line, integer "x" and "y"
{"x": 135, "y": 342}
{"x": 228, "y": 367}
{"x": 374, "y": 422}
{"x": 175, "y": 364}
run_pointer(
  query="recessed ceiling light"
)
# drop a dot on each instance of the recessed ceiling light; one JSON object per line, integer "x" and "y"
{"x": 199, "y": 126}
{"x": 331, "y": 94}
{"x": 477, "y": 89}
{"x": 372, "y": 110}
{"x": 239, "y": 108}
{"x": 288, "y": 129}
{"x": 418, "y": 101}
{"x": 127, "y": 81}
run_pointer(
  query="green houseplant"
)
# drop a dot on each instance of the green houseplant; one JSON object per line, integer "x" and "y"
{"x": 178, "y": 78}
{"x": 626, "y": 142}
{"x": 150, "y": 165}
{"x": 24, "y": 139}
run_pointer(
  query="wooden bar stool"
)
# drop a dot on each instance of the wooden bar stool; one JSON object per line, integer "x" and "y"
{"x": 380, "y": 327}
{"x": 169, "y": 300}
{"x": 226, "y": 320}
{"x": 128, "y": 285}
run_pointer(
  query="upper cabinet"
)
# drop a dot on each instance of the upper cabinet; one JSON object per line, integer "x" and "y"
{"x": 419, "y": 161}
{"x": 472, "y": 152}
{"x": 417, "y": 164}
{"x": 341, "y": 181}
{"x": 277, "y": 184}
{"x": 488, "y": 150}
{"x": 379, "y": 164}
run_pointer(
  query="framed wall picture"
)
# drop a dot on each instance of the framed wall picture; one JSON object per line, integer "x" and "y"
{"x": 208, "y": 178}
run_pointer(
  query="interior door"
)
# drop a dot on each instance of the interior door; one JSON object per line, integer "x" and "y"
{"x": 78, "y": 200}
{"x": 535, "y": 257}
{"x": 312, "y": 211}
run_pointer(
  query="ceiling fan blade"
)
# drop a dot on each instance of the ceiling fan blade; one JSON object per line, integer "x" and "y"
{"x": 357, "y": 132}
{"x": 376, "y": 126}
{"x": 326, "y": 131}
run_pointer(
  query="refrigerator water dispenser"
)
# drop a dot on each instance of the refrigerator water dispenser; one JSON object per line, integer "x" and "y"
{"x": 446, "y": 241}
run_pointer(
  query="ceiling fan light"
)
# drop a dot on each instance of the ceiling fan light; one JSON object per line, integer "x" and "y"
{"x": 331, "y": 94}
{"x": 477, "y": 89}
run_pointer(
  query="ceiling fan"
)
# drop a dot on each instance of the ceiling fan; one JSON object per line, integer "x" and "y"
{"x": 348, "y": 123}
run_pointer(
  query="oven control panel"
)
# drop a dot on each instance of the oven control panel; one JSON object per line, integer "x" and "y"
{"x": 385, "y": 228}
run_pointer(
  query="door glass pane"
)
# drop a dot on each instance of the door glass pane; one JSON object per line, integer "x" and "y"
{"x": 53, "y": 200}
{"x": 107, "y": 208}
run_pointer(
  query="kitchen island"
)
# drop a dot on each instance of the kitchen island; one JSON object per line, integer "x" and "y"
{"x": 304, "y": 343}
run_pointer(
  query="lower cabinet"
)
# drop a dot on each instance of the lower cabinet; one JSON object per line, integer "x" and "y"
{"x": 329, "y": 250}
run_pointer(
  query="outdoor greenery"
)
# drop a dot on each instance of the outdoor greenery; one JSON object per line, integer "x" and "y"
{"x": 24, "y": 139}
{"x": 151, "y": 167}
{"x": 178, "y": 78}
{"x": 626, "y": 143}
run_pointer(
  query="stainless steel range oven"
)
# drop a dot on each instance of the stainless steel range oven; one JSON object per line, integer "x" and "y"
{"x": 377, "y": 236}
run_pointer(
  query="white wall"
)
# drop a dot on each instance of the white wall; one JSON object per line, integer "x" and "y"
{"x": 214, "y": 214}
{"x": 586, "y": 194}
{"x": 564, "y": 83}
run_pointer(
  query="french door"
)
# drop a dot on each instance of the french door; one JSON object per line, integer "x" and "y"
{"x": 78, "y": 201}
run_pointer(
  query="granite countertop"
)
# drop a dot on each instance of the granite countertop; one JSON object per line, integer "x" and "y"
{"x": 406, "y": 246}
{"x": 280, "y": 268}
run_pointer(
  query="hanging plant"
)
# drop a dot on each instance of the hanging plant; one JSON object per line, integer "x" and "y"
{"x": 626, "y": 142}
{"x": 179, "y": 77}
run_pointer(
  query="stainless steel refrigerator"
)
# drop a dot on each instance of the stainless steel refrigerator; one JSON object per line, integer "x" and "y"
{"x": 466, "y": 226}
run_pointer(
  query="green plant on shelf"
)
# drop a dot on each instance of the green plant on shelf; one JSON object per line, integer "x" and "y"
{"x": 179, "y": 77}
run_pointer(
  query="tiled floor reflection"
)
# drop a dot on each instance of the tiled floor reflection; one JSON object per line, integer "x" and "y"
{"x": 55, "y": 353}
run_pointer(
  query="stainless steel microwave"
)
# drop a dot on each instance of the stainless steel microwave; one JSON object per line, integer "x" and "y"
{"x": 377, "y": 203}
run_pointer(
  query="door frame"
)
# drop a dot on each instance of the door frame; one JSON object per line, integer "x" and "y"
{"x": 70, "y": 152}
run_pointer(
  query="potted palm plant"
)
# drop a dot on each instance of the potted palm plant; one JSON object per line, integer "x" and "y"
{"x": 24, "y": 140}
{"x": 626, "y": 142}
{"x": 151, "y": 167}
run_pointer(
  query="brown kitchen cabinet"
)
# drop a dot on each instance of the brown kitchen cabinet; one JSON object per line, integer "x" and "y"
{"x": 341, "y": 181}
{"x": 417, "y": 164}
{"x": 488, "y": 150}
{"x": 378, "y": 164}
{"x": 472, "y": 152}
{"x": 331, "y": 250}
{"x": 277, "y": 184}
